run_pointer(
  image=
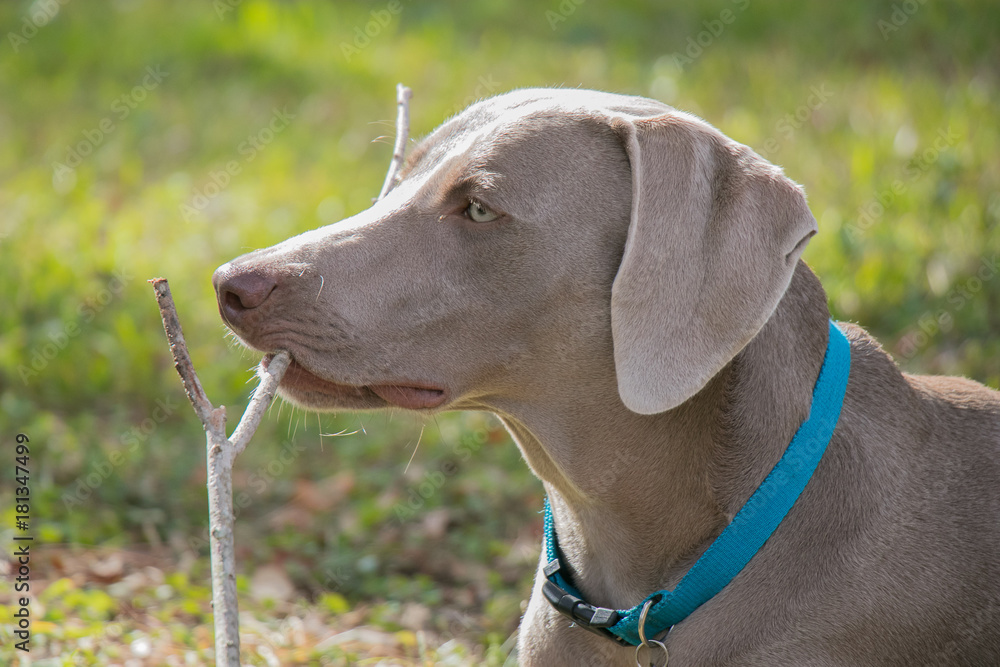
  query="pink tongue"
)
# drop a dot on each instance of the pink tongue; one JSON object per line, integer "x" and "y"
{"x": 413, "y": 398}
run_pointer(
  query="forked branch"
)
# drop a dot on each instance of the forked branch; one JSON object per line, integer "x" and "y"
{"x": 221, "y": 453}
{"x": 403, "y": 95}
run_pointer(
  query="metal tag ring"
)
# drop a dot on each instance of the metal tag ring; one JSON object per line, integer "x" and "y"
{"x": 649, "y": 643}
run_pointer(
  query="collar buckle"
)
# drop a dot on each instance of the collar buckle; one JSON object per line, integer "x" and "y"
{"x": 587, "y": 616}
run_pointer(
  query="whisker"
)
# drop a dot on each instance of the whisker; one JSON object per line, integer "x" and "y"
{"x": 415, "y": 448}
{"x": 339, "y": 433}
{"x": 319, "y": 430}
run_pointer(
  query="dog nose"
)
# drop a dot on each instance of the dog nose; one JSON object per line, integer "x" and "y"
{"x": 241, "y": 291}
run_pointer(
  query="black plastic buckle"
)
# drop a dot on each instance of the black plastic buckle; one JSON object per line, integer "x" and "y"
{"x": 588, "y": 617}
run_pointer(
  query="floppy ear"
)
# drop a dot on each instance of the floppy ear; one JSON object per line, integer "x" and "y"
{"x": 715, "y": 235}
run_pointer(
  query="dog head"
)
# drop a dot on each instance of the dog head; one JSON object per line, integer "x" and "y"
{"x": 539, "y": 239}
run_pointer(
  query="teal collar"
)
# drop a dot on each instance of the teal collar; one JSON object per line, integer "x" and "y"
{"x": 741, "y": 539}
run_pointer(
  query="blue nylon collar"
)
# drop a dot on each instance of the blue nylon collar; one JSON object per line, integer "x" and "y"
{"x": 742, "y": 538}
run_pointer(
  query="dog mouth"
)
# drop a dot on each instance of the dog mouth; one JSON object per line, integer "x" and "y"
{"x": 303, "y": 386}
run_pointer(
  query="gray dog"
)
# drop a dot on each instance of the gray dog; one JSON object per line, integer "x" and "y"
{"x": 620, "y": 283}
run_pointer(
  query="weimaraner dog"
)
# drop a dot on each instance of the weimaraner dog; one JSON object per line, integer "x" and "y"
{"x": 620, "y": 283}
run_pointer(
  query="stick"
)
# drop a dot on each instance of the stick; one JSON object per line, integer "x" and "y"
{"x": 178, "y": 348}
{"x": 221, "y": 453}
{"x": 262, "y": 397}
{"x": 403, "y": 95}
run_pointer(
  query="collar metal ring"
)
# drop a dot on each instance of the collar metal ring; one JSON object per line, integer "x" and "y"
{"x": 642, "y": 621}
{"x": 649, "y": 643}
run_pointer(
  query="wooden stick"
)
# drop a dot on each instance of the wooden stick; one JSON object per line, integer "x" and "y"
{"x": 270, "y": 378}
{"x": 222, "y": 543}
{"x": 221, "y": 453}
{"x": 403, "y": 95}
{"x": 178, "y": 348}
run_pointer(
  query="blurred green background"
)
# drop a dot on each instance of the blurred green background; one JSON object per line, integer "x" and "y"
{"x": 142, "y": 139}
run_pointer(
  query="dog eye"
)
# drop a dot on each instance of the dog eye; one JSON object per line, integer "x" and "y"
{"x": 479, "y": 213}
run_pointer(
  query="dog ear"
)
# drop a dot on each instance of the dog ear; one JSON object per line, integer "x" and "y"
{"x": 714, "y": 237}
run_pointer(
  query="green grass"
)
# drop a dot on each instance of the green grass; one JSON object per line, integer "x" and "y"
{"x": 163, "y": 97}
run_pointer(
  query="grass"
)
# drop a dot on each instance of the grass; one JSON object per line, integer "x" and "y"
{"x": 134, "y": 146}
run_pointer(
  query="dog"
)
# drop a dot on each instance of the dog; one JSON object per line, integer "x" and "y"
{"x": 621, "y": 284}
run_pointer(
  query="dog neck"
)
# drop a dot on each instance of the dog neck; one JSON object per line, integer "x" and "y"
{"x": 638, "y": 498}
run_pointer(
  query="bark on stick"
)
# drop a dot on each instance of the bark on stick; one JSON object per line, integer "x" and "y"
{"x": 221, "y": 453}
{"x": 403, "y": 95}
